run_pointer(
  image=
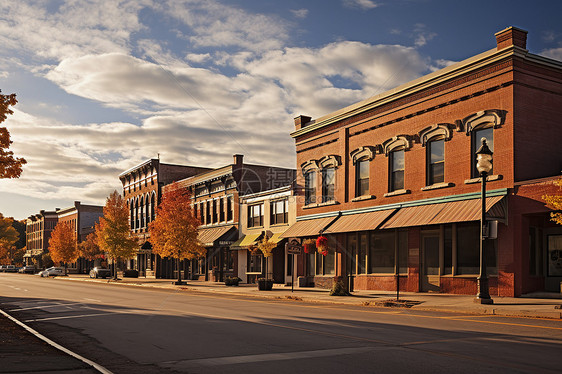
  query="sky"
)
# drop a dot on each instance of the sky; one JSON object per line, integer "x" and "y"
{"x": 104, "y": 85}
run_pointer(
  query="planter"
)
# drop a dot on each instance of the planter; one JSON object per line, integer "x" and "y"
{"x": 265, "y": 284}
{"x": 232, "y": 281}
{"x": 130, "y": 273}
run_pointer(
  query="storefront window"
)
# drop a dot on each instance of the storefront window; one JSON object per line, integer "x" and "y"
{"x": 381, "y": 252}
{"x": 403, "y": 251}
{"x": 330, "y": 261}
{"x": 468, "y": 248}
{"x": 352, "y": 251}
{"x": 310, "y": 264}
{"x": 554, "y": 243}
{"x": 448, "y": 250}
{"x": 362, "y": 254}
{"x": 254, "y": 263}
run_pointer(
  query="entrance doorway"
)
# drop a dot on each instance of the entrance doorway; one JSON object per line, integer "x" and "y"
{"x": 430, "y": 262}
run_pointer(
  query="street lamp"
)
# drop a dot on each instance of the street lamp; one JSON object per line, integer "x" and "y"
{"x": 484, "y": 166}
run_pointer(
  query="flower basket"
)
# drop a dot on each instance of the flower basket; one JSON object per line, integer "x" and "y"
{"x": 322, "y": 245}
{"x": 308, "y": 245}
{"x": 231, "y": 281}
{"x": 266, "y": 247}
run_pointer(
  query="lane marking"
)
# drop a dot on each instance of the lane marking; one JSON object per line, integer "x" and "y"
{"x": 43, "y": 306}
{"x": 96, "y": 300}
{"x": 229, "y": 360}
{"x": 69, "y": 317}
{"x": 96, "y": 366}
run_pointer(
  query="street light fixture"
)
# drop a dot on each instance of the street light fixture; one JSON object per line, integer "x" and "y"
{"x": 484, "y": 166}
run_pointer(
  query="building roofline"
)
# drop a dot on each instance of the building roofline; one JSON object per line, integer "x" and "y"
{"x": 425, "y": 82}
{"x": 272, "y": 191}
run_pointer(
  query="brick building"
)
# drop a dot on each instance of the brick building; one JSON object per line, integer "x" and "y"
{"x": 37, "y": 234}
{"x": 270, "y": 212}
{"x": 391, "y": 180}
{"x": 216, "y": 198}
{"x": 142, "y": 189}
{"x": 82, "y": 219}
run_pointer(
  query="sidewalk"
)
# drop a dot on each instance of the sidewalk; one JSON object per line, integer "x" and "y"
{"x": 542, "y": 306}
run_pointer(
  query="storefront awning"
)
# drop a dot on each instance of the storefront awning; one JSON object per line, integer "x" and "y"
{"x": 449, "y": 212}
{"x": 245, "y": 241}
{"x": 310, "y": 227}
{"x": 359, "y": 222}
{"x": 209, "y": 236}
{"x": 276, "y": 237}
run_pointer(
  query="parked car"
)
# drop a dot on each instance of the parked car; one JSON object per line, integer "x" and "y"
{"x": 3, "y": 268}
{"x": 52, "y": 271}
{"x": 99, "y": 272}
{"x": 29, "y": 269}
{"x": 11, "y": 269}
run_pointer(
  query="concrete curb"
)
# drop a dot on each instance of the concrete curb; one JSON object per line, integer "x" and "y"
{"x": 321, "y": 298}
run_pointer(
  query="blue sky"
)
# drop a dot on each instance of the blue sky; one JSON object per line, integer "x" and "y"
{"x": 104, "y": 85}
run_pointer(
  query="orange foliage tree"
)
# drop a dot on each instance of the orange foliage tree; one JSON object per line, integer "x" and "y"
{"x": 89, "y": 248}
{"x": 62, "y": 244}
{"x": 174, "y": 231}
{"x": 8, "y": 237}
{"x": 10, "y": 166}
{"x": 555, "y": 201}
{"x": 113, "y": 230}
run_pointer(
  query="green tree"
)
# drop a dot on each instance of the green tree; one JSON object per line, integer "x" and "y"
{"x": 174, "y": 231}
{"x": 10, "y": 166}
{"x": 555, "y": 201}
{"x": 113, "y": 230}
{"x": 62, "y": 244}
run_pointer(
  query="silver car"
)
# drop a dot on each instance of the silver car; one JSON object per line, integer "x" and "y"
{"x": 52, "y": 272}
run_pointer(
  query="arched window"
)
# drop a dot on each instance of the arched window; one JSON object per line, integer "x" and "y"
{"x": 147, "y": 209}
{"x": 481, "y": 125}
{"x": 153, "y": 206}
{"x": 136, "y": 214}
{"x": 141, "y": 212}
{"x": 394, "y": 149}
{"x": 361, "y": 158}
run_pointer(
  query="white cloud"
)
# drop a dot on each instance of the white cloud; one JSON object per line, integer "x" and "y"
{"x": 300, "y": 13}
{"x": 554, "y": 53}
{"x": 422, "y": 35}
{"x": 198, "y": 57}
{"x": 362, "y": 4}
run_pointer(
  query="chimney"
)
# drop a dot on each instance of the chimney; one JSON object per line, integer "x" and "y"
{"x": 238, "y": 160}
{"x": 512, "y": 36}
{"x": 301, "y": 121}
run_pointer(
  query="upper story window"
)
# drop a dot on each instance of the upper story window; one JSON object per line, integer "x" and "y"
{"x": 396, "y": 160}
{"x": 279, "y": 211}
{"x": 229, "y": 209}
{"x": 435, "y": 161}
{"x": 195, "y": 210}
{"x": 255, "y": 215}
{"x": 310, "y": 187}
{"x": 362, "y": 177}
{"x": 481, "y": 125}
{"x": 215, "y": 215}
{"x": 208, "y": 210}
{"x": 476, "y": 141}
{"x": 221, "y": 210}
{"x": 328, "y": 184}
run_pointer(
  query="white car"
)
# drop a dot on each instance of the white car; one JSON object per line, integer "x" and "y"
{"x": 52, "y": 271}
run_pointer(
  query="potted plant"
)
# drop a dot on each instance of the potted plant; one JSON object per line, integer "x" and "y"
{"x": 308, "y": 245}
{"x": 322, "y": 245}
{"x": 231, "y": 281}
{"x": 266, "y": 247}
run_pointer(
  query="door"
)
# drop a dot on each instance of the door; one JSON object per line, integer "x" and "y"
{"x": 430, "y": 262}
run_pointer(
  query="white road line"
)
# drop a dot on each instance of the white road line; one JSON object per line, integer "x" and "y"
{"x": 96, "y": 300}
{"x": 217, "y": 361}
{"x": 42, "y": 306}
{"x": 98, "y": 367}
{"x": 68, "y": 317}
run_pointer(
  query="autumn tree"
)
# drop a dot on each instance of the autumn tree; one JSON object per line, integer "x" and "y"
{"x": 89, "y": 248}
{"x": 555, "y": 201}
{"x": 10, "y": 166}
{"x": 174, "y": 231}
{"x": 113, "y": 230}
{"x": 8, "y": 237}
{"x": 62, "y": 244}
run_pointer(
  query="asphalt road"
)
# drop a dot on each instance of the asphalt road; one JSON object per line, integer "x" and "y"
{"x": 136, "y": 330}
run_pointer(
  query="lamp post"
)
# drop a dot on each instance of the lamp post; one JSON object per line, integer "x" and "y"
{"x": 484, "y": 166}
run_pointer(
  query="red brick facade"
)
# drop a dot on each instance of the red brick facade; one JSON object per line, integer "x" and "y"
{"x": 517, "y": 96}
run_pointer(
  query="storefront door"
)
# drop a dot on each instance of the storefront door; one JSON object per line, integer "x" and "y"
{"x": 430, "y": 262}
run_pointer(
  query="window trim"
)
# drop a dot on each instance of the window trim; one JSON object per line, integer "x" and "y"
{"x": 429, "y": 164}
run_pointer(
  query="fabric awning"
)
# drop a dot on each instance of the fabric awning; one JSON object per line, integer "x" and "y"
{"x": 245, "y": 241}
{"x": 434, "y": 214}
{"x": 360, "y": 222}
{"x": 207, "y": 237}
{"x": 310, "y": 227}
